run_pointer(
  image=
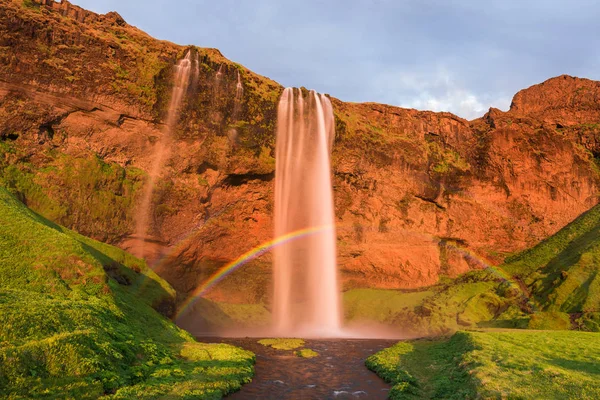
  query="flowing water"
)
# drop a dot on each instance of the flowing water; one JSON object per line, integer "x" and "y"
{"x": 182, "y": 76}
{"x": 338, "y": 372}
{"x": 232, "y": 134}
{"x": 239, "y": 88}
{"x": 306, "y": 294}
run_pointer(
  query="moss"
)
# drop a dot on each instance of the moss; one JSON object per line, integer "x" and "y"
{"x": 85, "y": 193}
{"x": 549, "y": 321}
{"x": 306, "y": 353}
{"x": 31, "y": 4}
{"x": 76, "y": 321}
{"x": 282, "y": 344}
{"x": 445, "y": 164}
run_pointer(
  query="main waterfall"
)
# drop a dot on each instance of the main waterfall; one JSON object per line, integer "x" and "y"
{"x": 306, "y": 293}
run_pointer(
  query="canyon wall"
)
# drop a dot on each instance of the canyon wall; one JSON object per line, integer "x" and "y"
{"x": 418, "y": 194}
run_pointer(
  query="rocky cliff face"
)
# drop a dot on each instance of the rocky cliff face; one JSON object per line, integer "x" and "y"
{"x": 418, "y": 194}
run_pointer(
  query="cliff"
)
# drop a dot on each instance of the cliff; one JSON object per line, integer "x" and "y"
{"x": 418, "y": 194}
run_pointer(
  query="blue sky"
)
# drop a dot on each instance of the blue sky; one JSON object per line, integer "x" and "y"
{"x": 461, "y": 56}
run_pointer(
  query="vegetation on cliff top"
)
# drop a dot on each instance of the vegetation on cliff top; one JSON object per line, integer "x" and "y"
{"x": 493, "y": 365}
{"x": 76, "y": 321}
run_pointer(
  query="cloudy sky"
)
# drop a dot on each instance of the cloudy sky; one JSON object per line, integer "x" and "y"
{"x": 461, "y": 56}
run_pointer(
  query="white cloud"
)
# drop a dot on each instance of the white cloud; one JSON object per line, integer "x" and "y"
{"x": 435, "y": 90}
{"x": 456, "y": 101}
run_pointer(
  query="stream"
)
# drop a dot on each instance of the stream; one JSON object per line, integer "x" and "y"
{"x": 338, "y": 372}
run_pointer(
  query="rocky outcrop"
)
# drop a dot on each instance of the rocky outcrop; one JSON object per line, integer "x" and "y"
{"x": 418, "y": 194}
{"x": 66, "y": 9}
{"x": 562, "y": 101}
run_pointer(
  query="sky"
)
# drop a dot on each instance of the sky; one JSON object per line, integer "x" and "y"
{"x": 462, "y": 56}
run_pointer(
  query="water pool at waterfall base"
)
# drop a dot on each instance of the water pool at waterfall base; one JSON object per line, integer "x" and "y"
{"x": 338, "y": 372}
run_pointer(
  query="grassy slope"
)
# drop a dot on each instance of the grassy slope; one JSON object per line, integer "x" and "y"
{"x": 562, "y": 272}
{"x": 76, "y": 321}
{"x": 513, "y": 364}
{"x": 478, "y": 298}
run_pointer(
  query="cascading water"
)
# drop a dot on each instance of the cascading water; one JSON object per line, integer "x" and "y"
{"x": 232, "y": 134}
{"x": 306, "y": 292}
{"x": 182, "y": 78}
{"x": 239, "y": 88}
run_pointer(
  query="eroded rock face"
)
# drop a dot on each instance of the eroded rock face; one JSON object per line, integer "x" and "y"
{"x": 418, "y": 194}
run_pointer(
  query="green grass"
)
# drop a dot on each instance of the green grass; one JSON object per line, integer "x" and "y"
{"x": 549, "y": 321}
{"x": 493, "y": 365}
{"x": 218, "y": 315}
{"x": 425, "y": 369}
{"x": 562, "y": 272}
{"x": 282, "y": 343}
{"x": 76, "y": 321}
{"x": 536, "y": 365}
{"x": 307, "y": 353}
{"x": 379, "y": 304}
{"x": 475, "y": 299}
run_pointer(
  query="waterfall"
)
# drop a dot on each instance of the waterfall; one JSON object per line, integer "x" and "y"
{"x": 306, "y": 293}
{"x": 232, "y": 134}
{"x": 239, "y": 88}
{"x": 182, "y": 77}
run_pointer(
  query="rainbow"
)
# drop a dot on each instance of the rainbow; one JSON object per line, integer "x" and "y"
{"x": 261, "y": 249}
{"x": 245, "y": 258}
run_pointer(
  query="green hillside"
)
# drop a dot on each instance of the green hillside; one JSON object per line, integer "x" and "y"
{"x": 562, "y": 272}
{"x": 493, "y": 365}
{"x": 482, "y": 298}
{"x": 77, "y": 321}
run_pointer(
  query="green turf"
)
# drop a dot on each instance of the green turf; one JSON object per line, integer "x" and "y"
{"x": 536, "y": 365}
{"x": 493, "y": 365}
{"x": 424, "y": 369}
{"x": 76, "y": 321}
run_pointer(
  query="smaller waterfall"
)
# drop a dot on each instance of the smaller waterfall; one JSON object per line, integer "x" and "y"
{"x": 239, "y": 88}
{"x": 232, "y": 134}
{"x": 182, "y": 76}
